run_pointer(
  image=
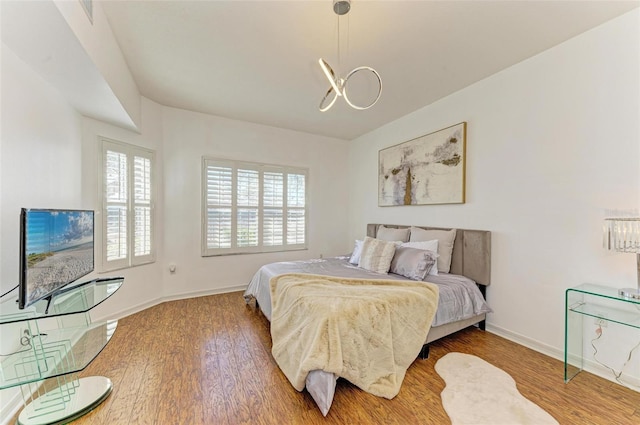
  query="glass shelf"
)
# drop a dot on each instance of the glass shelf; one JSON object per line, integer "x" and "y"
{"x": 54, "y": 353}
{"x": 594, "y": 302}
{"x": 603, "y": 292}
{"x": 610, "y": 314}
{"x": 78, "y": 298}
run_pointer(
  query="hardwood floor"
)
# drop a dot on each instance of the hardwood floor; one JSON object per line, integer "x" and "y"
{"x": 207, "y": 361}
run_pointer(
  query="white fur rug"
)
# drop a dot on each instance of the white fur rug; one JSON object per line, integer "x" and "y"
{"x": 478, "y": 393}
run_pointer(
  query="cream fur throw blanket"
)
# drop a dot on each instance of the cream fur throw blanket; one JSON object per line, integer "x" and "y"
{"x": 366, "y": 331}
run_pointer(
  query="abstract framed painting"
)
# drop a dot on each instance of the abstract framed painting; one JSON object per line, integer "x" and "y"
{"x": 424, "y": 171}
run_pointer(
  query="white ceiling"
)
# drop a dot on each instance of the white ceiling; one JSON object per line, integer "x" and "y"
{"x": 257, "y": 60}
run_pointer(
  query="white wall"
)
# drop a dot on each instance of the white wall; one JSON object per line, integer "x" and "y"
{"x": 40, "y": 139}
{"x": 81, "y": 60}
{"x": 40, "y": 167}
{"x": 101, "y": 46}
{"x": 187, "y": 137}
{"x": 552, "y": 144}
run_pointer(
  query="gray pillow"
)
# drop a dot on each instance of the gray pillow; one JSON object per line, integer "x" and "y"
{"x": 445, "y": 244}
{"x": 412, "y": 262}
{"x": 426, "y": 246}
{"x": 389, "y": 234}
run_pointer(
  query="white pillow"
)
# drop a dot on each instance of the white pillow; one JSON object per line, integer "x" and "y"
{"x": 377, "y": 255}
{"x": 426, "y": 246}
{"x": 390, "y": 234}
{"x": 357, "y": 251}
{"x": 445, "y": 244}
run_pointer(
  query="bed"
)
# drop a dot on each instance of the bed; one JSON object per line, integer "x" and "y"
{"x": 461, "y": 291}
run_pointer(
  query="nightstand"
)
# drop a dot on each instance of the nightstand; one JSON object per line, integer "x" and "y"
{"x": 588, "y": 306}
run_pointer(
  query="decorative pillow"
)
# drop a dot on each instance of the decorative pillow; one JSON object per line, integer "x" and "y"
{"x": 389, "y": 234}
{"x": 445, "y": 244}
{"x": 357, "y": 251}
{"x": 431, "y": 246}
{"x": 377, "y": 255}
{"x": 413, "y": 263}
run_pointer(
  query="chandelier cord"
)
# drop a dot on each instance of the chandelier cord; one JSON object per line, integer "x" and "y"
{"x": 344, "y": 52}
{"x": 348, "y": 31}
{"x": 339, "y": 62}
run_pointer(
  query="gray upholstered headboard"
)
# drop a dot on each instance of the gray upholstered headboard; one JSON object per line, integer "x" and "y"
{"x": 471, "y": 251}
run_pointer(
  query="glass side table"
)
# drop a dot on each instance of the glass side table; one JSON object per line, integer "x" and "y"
{"x": 61, "y": 340}
{"x": 595, "y": 304}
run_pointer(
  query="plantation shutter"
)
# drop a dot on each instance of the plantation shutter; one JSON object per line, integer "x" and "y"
{"x": 296, "y": 209}
{"x": 142, "y": 209}
{"x": 219, "y": 184}
{"x": 248, "y": 198}
{"x": 128, "y": 208}
{"x": 250, "y": 207}
{"x": 273, "y": 197}
{"x": 117, "y": 195}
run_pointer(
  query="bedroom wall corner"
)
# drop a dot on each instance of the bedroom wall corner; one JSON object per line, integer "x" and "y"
{"x": 101, "y": 46}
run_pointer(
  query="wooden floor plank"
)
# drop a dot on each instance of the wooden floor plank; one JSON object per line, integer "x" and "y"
{"x": 210, "y": 380}
{"x": 208, "y": 360}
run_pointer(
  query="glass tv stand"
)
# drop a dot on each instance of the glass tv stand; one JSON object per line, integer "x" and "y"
{"x": 55, "y": 339}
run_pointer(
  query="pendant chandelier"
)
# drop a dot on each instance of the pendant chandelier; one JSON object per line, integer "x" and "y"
{"x": 338, "y": 86}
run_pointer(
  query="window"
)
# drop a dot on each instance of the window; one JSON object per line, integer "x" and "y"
{"x": 250, "y": 207}
{"x": 128, "y": 205}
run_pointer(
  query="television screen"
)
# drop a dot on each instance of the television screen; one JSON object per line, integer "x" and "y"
{"x": 56, "y": 248}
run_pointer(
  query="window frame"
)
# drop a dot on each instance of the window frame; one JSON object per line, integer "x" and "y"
{"x": 261, "y": 168}
{"x": 130, "y": 151}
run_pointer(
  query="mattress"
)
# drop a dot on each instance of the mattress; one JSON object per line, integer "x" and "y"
{"x": 459, "y": 298}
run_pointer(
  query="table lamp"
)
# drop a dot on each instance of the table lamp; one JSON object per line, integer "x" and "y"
{"x": 623, "y": 235}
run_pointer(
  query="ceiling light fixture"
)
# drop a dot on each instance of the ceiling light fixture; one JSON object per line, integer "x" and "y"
{"x": 339, "y": 85}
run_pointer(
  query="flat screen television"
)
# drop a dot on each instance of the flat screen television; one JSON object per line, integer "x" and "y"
{"x": 56, "y": 249}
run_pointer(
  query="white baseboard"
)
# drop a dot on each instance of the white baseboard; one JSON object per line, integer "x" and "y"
{"x": 148, "y": 304}
{"x": 589, "y": 365}
{"x": 527, "y": 342}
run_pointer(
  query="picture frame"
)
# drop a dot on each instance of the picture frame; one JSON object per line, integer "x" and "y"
{"x": 427, "y": 170}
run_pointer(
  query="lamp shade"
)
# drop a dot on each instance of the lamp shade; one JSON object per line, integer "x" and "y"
{"x": 622, "y": 234}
